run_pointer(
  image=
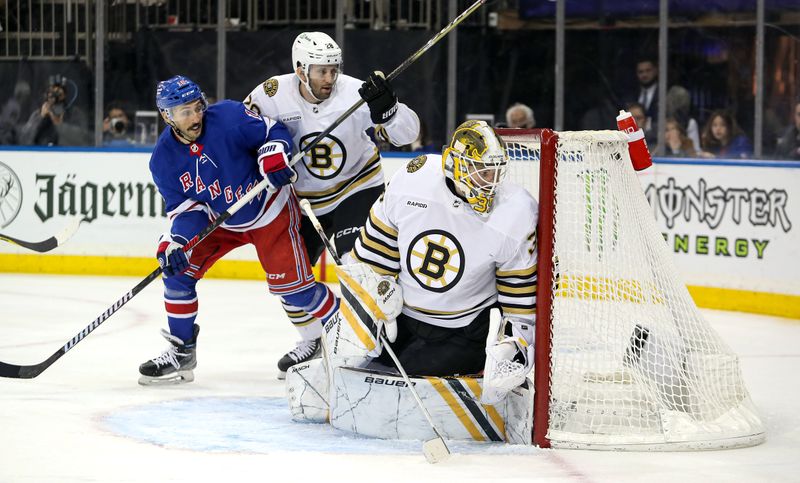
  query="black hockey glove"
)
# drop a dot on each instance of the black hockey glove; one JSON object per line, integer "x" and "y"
{"x": 380, "y": 98}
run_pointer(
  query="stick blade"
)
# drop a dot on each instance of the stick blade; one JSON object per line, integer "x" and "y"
{"x": 435, "y": 450}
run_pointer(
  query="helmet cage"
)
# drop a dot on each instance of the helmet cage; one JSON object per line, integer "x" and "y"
{"x": 476, "y": 162}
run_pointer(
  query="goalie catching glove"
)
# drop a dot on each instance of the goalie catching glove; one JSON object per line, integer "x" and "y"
{"x": 373, "y": 303}
{"x": 274, "y": 167}
{"x": 509, "y": 360}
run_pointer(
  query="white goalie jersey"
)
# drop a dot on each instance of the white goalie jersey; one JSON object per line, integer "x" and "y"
{"x": 452, "y": 263}
{"x": 345, "y": 161}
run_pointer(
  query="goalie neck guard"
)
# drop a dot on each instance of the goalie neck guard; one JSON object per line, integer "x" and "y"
{"x": 476, "y": 161}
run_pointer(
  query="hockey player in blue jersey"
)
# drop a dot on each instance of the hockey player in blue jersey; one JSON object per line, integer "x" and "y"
{"x": 204, "y": 161}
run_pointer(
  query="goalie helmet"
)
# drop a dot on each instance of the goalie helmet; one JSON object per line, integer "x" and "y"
{"x": 314, "y": 48}
{"x": 476, "y": 161}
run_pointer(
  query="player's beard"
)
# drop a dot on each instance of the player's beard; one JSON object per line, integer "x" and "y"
{"x": 321, "y": 93}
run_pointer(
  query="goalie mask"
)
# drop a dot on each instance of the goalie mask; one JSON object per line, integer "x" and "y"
{"x": 476, "y": 162}
{"x": 315, "y": 49}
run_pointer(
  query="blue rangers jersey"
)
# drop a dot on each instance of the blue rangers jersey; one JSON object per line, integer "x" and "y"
{"x": 203, "y": 179}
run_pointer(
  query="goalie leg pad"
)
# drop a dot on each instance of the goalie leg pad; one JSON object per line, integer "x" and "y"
{"x": 380, "y": 405}
{"x": 307, "y": 391}
{"x": 373, "y": 303}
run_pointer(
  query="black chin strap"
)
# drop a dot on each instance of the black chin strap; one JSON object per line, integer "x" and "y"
{"x": 179, "y": 134}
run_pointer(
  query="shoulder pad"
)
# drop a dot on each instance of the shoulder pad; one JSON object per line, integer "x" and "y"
{"x": 416, "y": 163}
{"x": 271, "y": 86}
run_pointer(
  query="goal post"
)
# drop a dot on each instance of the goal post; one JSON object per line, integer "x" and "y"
{"x": 624, "y": 359}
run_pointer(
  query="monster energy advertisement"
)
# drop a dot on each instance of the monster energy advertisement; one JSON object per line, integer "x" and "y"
{"x": 729, "y": 226}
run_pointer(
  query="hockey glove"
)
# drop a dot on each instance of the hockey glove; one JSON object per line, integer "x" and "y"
{"x": 379, "y": 96}
{"x": 377, "y": 297}
{"x": 274, "y": 167}
{"x": 509, "y": 360}
{"x": 171, "y": 257}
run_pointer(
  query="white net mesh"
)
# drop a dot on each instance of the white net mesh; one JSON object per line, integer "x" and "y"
{"x": 633, "y": 364}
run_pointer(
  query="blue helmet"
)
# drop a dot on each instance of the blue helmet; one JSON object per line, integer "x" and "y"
{"x": 177, "y": 91}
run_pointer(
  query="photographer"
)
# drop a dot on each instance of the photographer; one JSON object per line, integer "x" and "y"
{"x": 117, "y": 127}
{"x": 49, "y": 125}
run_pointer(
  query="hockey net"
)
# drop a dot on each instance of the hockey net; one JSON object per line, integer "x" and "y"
{"x": 624, "y": 359}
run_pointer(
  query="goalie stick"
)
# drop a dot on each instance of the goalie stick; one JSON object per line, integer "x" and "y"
{"x": 48, "y": 244}
{"x": 435, "y": 449}
{"x": 31, "y": 371}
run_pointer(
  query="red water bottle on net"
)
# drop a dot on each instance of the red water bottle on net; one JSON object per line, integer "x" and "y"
{"x": 637, "y": 146}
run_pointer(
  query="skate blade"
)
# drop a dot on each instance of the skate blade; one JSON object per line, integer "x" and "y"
{"x": 180, "y": 377}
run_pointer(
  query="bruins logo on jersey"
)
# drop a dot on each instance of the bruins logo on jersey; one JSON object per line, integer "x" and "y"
{"x": 435, "y": 260}
{"x": 271, "y": 87}
{"x": 326, "y": 159}
{"x": 416, "y": 163}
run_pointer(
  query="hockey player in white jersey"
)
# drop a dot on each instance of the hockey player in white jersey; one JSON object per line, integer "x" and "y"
{"x": 341, "y": 176}
{"x": 460, "y": 241}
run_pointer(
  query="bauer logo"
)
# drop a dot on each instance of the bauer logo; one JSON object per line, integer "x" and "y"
{"x": 380, "y": 381}
{"x": 10, "y": 195}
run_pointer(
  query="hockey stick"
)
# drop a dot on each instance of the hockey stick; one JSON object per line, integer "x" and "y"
{"x": 49, "y": 244}
{"x": 31, "y": 371}
{"x": 435, "y": 449}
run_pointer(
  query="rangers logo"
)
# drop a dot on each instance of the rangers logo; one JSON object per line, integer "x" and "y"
{"x": 435, "y": 260}
{"x": 416, "y": 163}
{"x": 271, "y": 87}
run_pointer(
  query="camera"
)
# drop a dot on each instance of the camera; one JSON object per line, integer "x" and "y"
{"x": 118, "y": 125}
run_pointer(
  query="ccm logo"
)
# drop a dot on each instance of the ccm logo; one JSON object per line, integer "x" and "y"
{"x": 384, "y": 382}
{"x": 347, "y": 231}
{"x": 276, "y": 276}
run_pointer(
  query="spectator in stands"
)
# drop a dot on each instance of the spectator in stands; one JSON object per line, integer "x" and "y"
{"x": 11, "y": 113}
{"x": 679, "y": 106}
{"x": 117, "y": 126}
{"x": 520, "y": 115}
{"x": 637, "y": 111}
{"x": 789, "y": 142}
{"x": 678, "y": 144}
{"x": 50, "y": 124}
{"x": 647, "y": 75}
{"x": 723, "y": 138}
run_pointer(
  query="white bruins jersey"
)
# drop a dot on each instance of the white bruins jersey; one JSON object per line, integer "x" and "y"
{"x": 344, "y": 162}
{"x": 452, "y": 263}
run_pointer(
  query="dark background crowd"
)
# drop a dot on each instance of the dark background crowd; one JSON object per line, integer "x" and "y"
{"x": 504, "y": 66}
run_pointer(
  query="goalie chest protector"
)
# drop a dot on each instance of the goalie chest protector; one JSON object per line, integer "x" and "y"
{"x": 445, "y": 247}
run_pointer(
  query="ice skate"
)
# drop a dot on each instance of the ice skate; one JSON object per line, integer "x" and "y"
{"x": 175, "y": 365}
{"x": 305, "y": 350}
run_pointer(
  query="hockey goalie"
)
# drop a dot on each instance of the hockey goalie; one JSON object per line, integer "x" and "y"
{"x": 445, "y": 271}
